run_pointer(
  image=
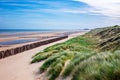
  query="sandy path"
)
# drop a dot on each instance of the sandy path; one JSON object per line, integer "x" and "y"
{"x": 18, "y": 67}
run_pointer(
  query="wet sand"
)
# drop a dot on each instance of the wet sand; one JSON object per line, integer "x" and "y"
{"x": 25, "y": 36}
{"x": 18, "y": 67}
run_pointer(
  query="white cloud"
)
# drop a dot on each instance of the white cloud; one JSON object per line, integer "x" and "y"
{"x": 74, "y": 11}
{"x": 109, "y": 8}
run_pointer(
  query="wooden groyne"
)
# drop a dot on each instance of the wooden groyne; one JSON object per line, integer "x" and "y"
{"x": 23, "y": 48}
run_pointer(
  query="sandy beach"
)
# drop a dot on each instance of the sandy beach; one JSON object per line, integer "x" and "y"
{"x": 25, "y": 36}
{"x": 18, "y": 67}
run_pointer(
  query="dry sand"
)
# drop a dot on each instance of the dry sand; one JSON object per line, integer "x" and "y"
{"x": 18, "y": 67}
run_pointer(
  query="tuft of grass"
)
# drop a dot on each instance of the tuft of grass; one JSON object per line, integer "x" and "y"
{"x": 42, "y": 56}
{"x": 76, "y": 61}
{"x": 49, "y": 61}
{"x": 57, "y": 66}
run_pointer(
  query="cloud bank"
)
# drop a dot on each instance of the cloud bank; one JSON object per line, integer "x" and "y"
{"x": 109, "y": 8}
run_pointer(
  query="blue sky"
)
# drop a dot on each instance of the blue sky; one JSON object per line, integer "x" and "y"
{"x": 58, "y": 14}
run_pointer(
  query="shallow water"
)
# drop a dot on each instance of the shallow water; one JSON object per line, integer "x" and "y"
{"x": 17, "y": 41}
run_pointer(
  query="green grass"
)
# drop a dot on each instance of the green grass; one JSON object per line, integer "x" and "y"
{"x": 42, "y": 55}
{"x": 75, "y": 61}
{"x": 103, "y": 66}
{"x": 80, "y": 44}
{"x": 92, "y": 56}
{"x": 55, "y": 57}
{"x": 57, "y": 66}
{"x": 58, "y": 54}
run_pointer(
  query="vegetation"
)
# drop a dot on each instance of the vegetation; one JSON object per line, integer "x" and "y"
{"x": 93, "y": 56}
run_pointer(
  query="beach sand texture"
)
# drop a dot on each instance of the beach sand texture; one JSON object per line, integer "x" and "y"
{"x": 18, "y": 67}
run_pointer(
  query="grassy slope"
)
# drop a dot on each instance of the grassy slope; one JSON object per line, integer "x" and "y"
{"x": 90, "y": 57}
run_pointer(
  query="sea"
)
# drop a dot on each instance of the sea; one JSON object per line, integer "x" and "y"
{"x": 28, "y": 30}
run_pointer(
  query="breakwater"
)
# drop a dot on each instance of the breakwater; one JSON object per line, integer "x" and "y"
{"x": 23, "y": 48}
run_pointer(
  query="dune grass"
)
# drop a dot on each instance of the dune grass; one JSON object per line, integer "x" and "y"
{"x": 75, "y": 61}
{"x": 80, "y": 44}
{"x": 93, "y": 56}
{"x": 103, "y": 66}
{"x": 57, "y": 55}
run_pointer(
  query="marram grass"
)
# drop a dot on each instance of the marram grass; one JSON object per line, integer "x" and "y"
{"x": 87, "y": 59}
{"x": 99, "y": 67}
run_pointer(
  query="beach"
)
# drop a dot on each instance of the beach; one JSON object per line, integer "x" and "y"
{"x": 18, "y": 67}
{"x": 7, "y": 41}
{"x": 59, "y": 40}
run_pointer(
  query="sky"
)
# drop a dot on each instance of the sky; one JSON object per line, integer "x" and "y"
{"x": 58, "y": 14}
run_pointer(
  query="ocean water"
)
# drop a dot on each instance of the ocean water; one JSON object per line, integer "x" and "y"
{"x": 28, "y": 30}
{"x": 21, "y": 32}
